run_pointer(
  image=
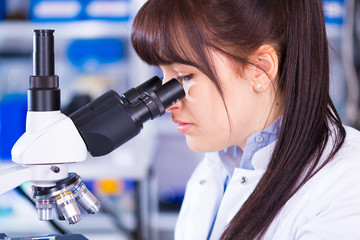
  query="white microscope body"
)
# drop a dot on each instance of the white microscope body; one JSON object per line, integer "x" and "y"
{"x": 53, "y": 140}
{"x": 50, "y": 142}
{"x": 43, "y": 152}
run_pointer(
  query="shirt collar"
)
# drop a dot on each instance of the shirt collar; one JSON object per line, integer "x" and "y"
{"x": 234, "y": 157}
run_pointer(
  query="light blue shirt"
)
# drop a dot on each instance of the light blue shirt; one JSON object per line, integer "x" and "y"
{"x": 234, "y": 157}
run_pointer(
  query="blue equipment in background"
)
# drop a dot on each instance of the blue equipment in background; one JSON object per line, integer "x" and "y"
{"x": 55, "y": 10}
{"x": 13, "y": 109}
{"x": 73, "y": 10}
{"x": 99, "y": 51}
{"x": 116, "y": 10}
{"x": 2, "y": 9}
{"x": 49, "y": 237}
{"x": 334, "y": 12}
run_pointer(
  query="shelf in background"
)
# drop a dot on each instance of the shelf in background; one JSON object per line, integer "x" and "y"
{"x": 65, "y": 30}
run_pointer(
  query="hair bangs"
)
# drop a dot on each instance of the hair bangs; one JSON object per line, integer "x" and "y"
{"x": 163, "y": 41}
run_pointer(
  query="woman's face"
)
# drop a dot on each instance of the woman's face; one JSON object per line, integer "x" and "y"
{"x": 202, "y": 116}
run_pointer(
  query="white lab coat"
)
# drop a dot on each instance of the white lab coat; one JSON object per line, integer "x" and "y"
{"x": 326, "y": 207}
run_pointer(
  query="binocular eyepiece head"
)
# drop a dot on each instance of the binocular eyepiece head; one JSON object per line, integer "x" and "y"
{"x": 111, "y": 119}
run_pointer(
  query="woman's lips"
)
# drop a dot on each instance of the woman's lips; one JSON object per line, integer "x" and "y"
{"x": 182, "y": 127}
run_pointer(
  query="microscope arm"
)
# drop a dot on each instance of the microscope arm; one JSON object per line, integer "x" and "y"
{"x": 43, "y": 175}
{"x": 12, "y": 177}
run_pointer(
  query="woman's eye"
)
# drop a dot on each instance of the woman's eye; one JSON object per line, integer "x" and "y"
{"x": 186, "y": 77}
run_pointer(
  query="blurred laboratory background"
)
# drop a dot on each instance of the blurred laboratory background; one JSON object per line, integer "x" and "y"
{"x": 141, "y": 184}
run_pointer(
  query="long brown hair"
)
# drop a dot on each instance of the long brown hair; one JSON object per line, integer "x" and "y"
{"x": 184, "y": 31}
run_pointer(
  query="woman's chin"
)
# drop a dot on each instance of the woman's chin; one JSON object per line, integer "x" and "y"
{"x": 201, "y": 145}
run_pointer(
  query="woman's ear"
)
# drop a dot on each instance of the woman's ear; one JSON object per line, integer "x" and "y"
{"x": 267, "y": 64}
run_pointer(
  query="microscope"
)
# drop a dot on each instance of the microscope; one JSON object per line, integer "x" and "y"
{"x": 52, "y": 140}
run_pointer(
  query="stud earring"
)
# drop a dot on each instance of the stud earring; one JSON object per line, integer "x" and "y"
{"x": 258, "y": 86}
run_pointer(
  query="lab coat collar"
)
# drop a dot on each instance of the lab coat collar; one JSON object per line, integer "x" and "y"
{"x": 262, "y": 157}
{"x": 234, "y": 157}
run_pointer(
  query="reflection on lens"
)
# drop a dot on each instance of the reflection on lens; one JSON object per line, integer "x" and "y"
{"x": 86, "y": 199}
{"x": 60, "y": 214}
{"x": 45, "y": 208}
{"x": 66, "y": 203}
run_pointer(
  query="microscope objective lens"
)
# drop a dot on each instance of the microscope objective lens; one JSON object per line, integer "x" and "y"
{"x": 86, "y": 199}
{"x": 66, "y": 203}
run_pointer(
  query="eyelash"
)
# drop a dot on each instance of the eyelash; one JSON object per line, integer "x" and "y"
{"x": 186, "y": 77}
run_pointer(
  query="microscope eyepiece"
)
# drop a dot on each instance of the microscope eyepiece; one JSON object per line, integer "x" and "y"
{"x": 170, "y": 92}
{"x": 133, "y": 94}
{"x": 44, "y": 92}
{"x": 43, "y": 55}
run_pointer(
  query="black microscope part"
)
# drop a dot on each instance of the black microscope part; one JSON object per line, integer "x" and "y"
{"x": 110, "y": 120}
{"x": 44, "y": 92}
{"x": 43, "y": 53}
{"x": 41, "y": 191}
{"x": 133, "y": 94}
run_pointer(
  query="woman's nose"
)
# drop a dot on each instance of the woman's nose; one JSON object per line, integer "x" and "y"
{"x": 175, "y": 107}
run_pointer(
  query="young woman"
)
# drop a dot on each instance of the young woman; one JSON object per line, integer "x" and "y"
{"x": 279, "y": 163}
